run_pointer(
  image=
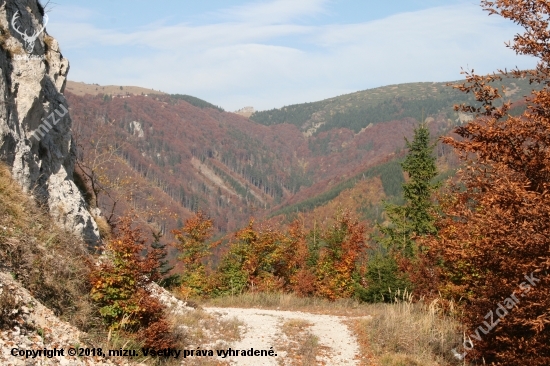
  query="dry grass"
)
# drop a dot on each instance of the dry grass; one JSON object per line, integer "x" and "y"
{"x": 9, "y": 308}
{"x": 4, "y": 35}
{"x": 191, "y": 329}
{"x": 401, "y": 333}
{"x": 408, "y": 333}
{"x": 300, "y": 345}
{"x": 286, "y": 301}
{"x": 105, "y": 230}
{"x": 100, "y": 338}
{"x": 198, "y": 328}
{"x": 48, "y": 41}
{"x": 48, "y": 48}
{"x": 31, "y": 247}
{"x": 10, "y": 45}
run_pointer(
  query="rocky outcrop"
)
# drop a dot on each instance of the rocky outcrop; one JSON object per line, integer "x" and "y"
{"x": 35, "y": 328}
{"x": 246, "y": 111}
{"x": 35, "y": 125}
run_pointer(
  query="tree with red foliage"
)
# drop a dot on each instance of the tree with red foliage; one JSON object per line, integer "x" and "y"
{"x": 494, "y": 233}
{"x": 121, "y": 287}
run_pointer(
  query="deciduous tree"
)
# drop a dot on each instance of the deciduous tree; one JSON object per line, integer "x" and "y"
{"x": 121, "y": 288}
{"x": 495, "y": 226}
{"x": 194, "y": 247}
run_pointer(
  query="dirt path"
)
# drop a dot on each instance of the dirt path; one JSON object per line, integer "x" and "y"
{"x": 263, "y": 330}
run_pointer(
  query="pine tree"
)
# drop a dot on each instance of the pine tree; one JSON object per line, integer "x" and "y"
{"x": 414, "y": 217}
{"x": 164, "y": 268}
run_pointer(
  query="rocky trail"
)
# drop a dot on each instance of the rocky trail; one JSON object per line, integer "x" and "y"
{"x": 36, "y": 327}
{"x": 263, "y": 330}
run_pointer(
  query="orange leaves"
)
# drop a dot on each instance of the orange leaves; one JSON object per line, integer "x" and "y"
{"x": 339, "y": 258}
{"x": 264, "y": 259}
{"x": 303, "y": 282}
{"x": 120, "y": 287}
{"x": 193, "y": 250}
{"x": 495, "y": 226}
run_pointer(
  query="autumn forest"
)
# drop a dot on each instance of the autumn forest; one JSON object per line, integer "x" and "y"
{"x": 437, "y": 189}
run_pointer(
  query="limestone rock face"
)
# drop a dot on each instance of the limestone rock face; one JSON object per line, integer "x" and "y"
{"x": 246, "y": 111}
{"x": 35, "y": 124}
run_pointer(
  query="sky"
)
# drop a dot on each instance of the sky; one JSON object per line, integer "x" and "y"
{"x": 271, "y": 53}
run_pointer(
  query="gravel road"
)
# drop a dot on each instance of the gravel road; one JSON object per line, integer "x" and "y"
{"x": 263, "y": 330}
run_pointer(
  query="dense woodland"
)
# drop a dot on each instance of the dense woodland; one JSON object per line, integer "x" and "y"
{"x": 359, "y": 110}
{"x": 185, "y": 158}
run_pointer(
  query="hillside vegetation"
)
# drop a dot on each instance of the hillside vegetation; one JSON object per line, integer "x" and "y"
{"x": 196, "y": 101}
{"x": 361, "y": 109}
{"x": 30, "y": 248}
{"x": 188, "y": 156}
{"x": 466, "y": 246}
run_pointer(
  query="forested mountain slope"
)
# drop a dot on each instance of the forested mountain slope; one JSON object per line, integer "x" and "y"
{"x": 358, "y": 110}
{"x": 177, "y": 154}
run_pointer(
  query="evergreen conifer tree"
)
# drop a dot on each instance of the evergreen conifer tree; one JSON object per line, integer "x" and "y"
{"x": 164, "y": 267}
{"x": 414, "y": 217}
{"x": 406, "y": 221}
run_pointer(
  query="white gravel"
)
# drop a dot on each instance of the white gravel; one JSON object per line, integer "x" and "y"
{"x": 263, "y": 328}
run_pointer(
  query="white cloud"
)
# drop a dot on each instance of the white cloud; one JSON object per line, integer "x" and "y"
{"x": 257, "y": 56}
{"x": 278, "y": 11}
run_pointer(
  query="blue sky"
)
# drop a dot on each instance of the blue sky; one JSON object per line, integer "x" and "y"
{"x": 271, "y": 53}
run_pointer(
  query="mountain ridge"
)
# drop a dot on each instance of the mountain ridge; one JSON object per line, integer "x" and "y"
{"x": 234, "y": 167}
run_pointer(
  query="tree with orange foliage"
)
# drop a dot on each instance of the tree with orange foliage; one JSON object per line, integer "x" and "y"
{"x": 194, "y": 248}
{"x": 120, "y": 286}
{"x": 254, "y": 261}
{"x": 299, "y": 256}
{"x": 263, "y": 259}
{"x": 343, "y": 246}
{"x": 494, "y": 233}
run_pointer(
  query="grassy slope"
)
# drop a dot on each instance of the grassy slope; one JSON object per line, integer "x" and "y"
{"x": 31, "y": 247}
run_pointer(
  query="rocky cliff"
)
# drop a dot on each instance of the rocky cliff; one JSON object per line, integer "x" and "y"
{"x": 35, "y": 125}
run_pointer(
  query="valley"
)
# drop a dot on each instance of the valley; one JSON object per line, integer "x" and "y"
{"x": 186, "y": 154}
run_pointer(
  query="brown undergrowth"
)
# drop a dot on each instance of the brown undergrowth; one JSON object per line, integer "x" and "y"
{"x": 408, "y": 333}
{"x": 289, "y": 301}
